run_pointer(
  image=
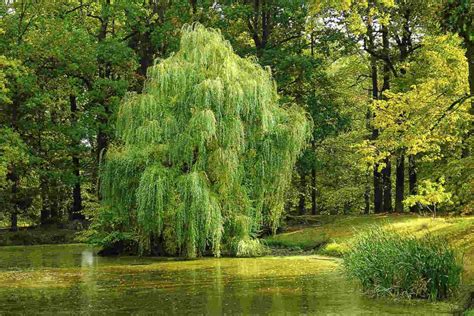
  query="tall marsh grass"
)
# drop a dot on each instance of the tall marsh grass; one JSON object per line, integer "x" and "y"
{"x": 388, "y": 263}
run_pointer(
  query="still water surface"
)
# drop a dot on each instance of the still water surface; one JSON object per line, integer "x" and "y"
{"x": 71, "y": 279}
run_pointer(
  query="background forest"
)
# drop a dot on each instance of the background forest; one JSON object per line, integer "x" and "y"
{"x": 387, "y": 84}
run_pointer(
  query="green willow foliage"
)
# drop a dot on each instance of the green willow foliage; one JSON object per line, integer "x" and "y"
{"x": 205, "y": 152}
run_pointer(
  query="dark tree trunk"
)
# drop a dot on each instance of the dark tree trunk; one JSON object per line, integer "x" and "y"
{"x": 368, "y": 125}
{"x": 145, "y": 50}
{"x": 387, "y": 186}
{"x": 367, "y": 195}
{"x": 76, "y": 208}
{"x": 102, "y": 141}
{"x": 314, "y": 205}
{"x": 15, "y": 179}
{"x": 146, "y": 58}
{"x": 470, "y": 61}
{"x": 302, "y": 202}
{"x": 13, "y": 222}
{"x": 314, "y": 202}
{"x": 400, "y": 182}
{"x": 193, "y": 5}
{"x": 259, "y": 24}
{"x": 76, "y": 192}
{"x": 13, "y": 175}
{"x": 54, "y": 205}
{"x": 378, "y": 193}
{"x": 103, "y": 118}
{"x": 412, "y": 179}
{"x": 45, "y": 212}
{"x": 387, "y": 170}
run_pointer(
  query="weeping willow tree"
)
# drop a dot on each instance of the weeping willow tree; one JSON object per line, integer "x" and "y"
{"x": 205, "y": 153}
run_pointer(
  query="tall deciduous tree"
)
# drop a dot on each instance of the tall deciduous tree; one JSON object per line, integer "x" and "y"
{"x": 458, "y": 17}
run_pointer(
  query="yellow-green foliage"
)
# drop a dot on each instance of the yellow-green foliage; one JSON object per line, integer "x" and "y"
{"x": 205, "y": 152}
{"x": 430, "y": 195}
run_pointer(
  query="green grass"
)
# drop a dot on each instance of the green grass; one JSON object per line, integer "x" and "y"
{"x": 301, "y": 239}
{"x": 389, "y": 263}
{"x": 332, "y": 234}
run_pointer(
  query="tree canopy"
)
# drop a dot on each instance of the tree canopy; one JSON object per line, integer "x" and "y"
{"x": 100, "y": 101}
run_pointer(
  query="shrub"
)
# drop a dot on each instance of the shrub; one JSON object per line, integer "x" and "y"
{"x": 389, "y": 263}
{"x": 334, "y": 249}
{"x": 250, "y": 248}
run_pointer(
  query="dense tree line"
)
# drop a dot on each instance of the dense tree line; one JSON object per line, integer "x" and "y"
{"x": 387, "y": 84}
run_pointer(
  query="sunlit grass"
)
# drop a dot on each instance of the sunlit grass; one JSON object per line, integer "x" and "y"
{"x": 388, "y": 262}
{"x": 334, "y": 234}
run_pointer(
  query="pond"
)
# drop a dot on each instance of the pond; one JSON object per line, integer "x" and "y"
{"x": 73, "y": 279}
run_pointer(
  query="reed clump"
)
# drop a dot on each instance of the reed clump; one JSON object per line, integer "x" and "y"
{"x": 389, "y": 263}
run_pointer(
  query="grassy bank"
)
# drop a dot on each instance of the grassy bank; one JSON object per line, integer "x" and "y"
{"x": 331, "y": 235}
{"x": 37, "y": 236}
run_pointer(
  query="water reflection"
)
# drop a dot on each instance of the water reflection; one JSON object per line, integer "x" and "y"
{"x": 87, "y": 258}
{"x": 72, "y": 279}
